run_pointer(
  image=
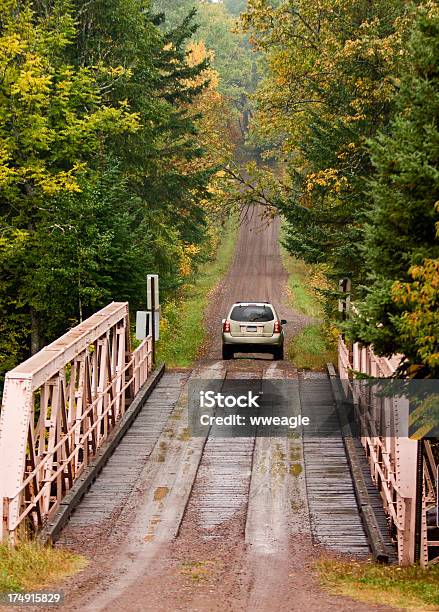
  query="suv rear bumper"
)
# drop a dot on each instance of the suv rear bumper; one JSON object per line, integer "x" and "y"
{"x": 253, "y": 348}
{"x": 253, "y": 344}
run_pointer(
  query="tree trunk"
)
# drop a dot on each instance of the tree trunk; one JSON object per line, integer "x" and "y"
{"x": 35, "y": 334}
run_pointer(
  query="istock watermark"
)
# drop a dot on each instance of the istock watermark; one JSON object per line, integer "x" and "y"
{"x": 279, "y": 408}
{"x": 245, "y": 407}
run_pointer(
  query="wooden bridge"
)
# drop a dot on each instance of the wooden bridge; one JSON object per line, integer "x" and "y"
{"x": 87, "y": 420}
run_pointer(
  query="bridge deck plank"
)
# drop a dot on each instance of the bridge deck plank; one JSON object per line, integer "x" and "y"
{"x": 334, "y": 515}
{"x": 224, "y": 472}
{"x": 111, "y": 489}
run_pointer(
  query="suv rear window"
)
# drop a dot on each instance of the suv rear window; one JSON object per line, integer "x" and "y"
{"x": 252, "y": 314}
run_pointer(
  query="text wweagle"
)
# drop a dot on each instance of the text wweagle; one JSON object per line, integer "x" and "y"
{"x": 276, "y": 421}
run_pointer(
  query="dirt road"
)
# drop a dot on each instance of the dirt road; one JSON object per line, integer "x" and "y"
{"x": 256, "y": 274}
{"x": 213, "y": 524}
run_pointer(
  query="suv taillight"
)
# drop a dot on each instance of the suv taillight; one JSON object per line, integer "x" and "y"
{"x": 226, "y": 326}
{"x": 276, "y": 329}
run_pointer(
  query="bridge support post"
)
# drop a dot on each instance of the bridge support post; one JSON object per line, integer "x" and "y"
{"x": 5, "y": 519}
{"x": 6, "y": 536}
{"x": 14, "y": 427}
{"x": 153, "y": 315}
{"x": 406, "y": 478}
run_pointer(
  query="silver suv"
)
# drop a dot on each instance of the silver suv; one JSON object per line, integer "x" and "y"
{"x": 253, "y": 327}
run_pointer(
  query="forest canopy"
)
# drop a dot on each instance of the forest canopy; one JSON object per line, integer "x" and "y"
{"x": 349, "y": 107}
{"x": 115, "y": 125}
{"x": 129, "y": 128}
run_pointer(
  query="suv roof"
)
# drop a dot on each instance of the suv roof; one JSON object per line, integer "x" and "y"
{"x": 257, "y": 302}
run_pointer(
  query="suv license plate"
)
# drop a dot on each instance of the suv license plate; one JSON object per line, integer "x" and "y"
{"x": 252, "y": 328}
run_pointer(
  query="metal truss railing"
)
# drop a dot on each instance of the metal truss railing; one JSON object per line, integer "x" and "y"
{"x": 59, "y": 407}
{"x": 393, "y": 457}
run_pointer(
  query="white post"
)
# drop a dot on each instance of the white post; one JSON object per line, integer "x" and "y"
{"x": 17, "y": 408}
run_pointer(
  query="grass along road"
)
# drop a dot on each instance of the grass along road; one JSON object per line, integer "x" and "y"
{"x": 31, "y": 566}
{"x": 405, "y": 588}
{"x": 314, "y": 346}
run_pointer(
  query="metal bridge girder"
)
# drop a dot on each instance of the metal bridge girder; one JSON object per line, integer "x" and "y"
{"x": 58, "y": 407}
{"x": 393, "y": 457}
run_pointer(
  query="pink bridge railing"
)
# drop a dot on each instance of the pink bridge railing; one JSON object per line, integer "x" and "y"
{"x": 393, "y": 458}
{"x": 58, "y": 408}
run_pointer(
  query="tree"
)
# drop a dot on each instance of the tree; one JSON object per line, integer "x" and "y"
{"x": 53, "y": 118}
{"x": 174, "y": 12}
{"x": 399, "y": 312}
{"x": 235, "y": 7}
{"x": 232, "y": 57}
{"x": 156, "y": 162}
{"x": 216, "y": 135}
{"x": 332, "y": 70}
{"x": 101, "y": 163}
{"x": 233, "y": 60}
{"x": 418, "y": 325}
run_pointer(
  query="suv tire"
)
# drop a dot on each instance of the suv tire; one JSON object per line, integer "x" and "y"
{"x": 227, "y": 352}
{"x": 278, "y": 353}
